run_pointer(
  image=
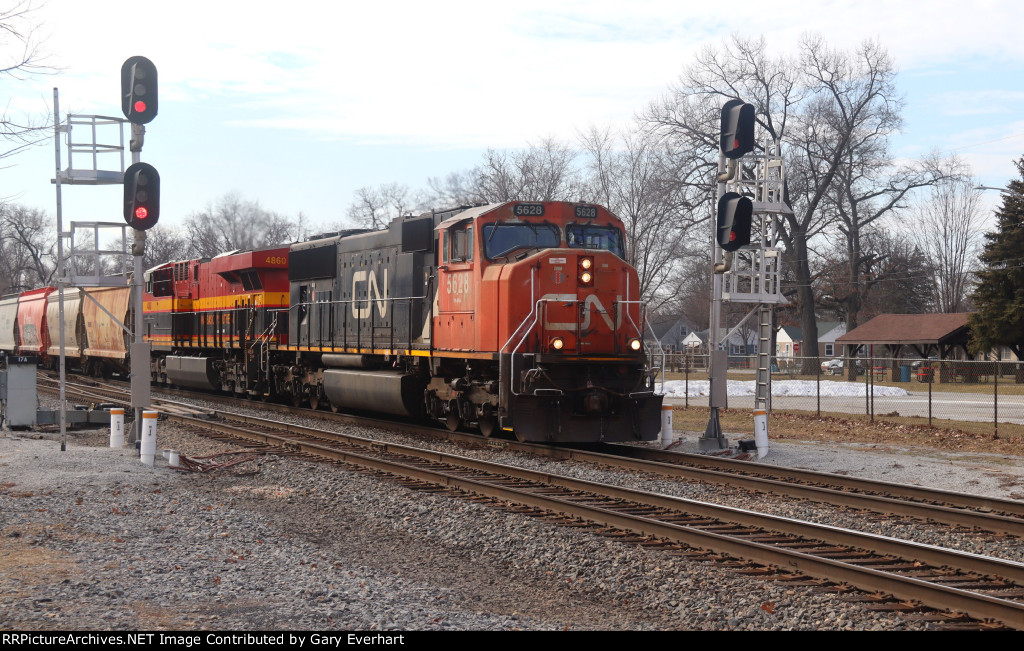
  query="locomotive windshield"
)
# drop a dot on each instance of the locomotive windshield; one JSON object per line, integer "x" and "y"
{"x": 504, "y": 238}
{"x": 586, "y": 236}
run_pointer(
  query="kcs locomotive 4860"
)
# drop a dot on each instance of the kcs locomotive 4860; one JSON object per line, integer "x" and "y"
{"x": 517, "y": 316}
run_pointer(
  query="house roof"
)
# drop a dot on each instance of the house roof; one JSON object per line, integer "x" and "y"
{"x": 663, "y": 325}
{"x": 795, "y": 333}
{"x": 825, "y": 327}
{"x": 909, "y": 329}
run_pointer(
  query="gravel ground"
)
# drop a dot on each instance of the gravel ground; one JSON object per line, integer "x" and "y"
{"x": 93, "y": 539}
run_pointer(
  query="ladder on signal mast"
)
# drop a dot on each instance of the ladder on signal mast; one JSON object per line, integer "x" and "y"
{"x": 763, "y": 393}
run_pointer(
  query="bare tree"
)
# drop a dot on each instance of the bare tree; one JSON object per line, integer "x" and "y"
{"x": 831, "y": 109}
{"x": 165, "y": 244}
{"x": 867, "y": 191}
{"x": 233, "y": 223}
{"x": 375, "y": 207}
{"x": 21, "y": 57}
{"x": 27, "y": 248}
{"x": 895, "y": 277}
{"x": 948, "y": 229}
{"x": 543, "y": 172}
{"x": 636, "y": 177}
{"x": 456, "y": 189}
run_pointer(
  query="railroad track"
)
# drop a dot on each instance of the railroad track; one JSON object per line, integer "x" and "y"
{"x": 1000, "y": 516}
{"x": 894, "y": 574}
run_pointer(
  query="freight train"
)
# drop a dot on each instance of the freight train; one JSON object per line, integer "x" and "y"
{"x": 521, "y": 317}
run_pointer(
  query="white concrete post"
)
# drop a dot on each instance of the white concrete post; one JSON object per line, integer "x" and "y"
{"x": 147, "y": 448}
{"x": 117, "y": 427}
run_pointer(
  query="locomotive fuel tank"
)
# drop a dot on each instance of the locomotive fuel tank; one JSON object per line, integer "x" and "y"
{"x": 194, "y": 372}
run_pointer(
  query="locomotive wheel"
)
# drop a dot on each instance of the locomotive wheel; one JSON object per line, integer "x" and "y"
{"x": 314, "y": 402}
{"x": 452, "y": 422}
{"x": 488, "y": 425}
{"x": 334, "y": 408}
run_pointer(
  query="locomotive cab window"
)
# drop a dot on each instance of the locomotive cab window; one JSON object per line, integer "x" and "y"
{"x": 587, "y": 236}
{"x": 460, "y": 240}
{"x": 501, "y": 239}
{"x": 162, "y": 282}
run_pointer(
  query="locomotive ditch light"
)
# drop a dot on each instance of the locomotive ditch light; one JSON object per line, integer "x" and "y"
{"x": 635, "y": 344}
{"x": 557, "y": 343}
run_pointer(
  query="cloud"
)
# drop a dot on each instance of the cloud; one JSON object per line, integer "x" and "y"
{"x": 978, "y": 102}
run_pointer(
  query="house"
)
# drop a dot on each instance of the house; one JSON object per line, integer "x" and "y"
{"x": 671, "y": 330}
{"x": 828, "y": 332}
{"x": 787, "y": 342}
{"x": 694, "y": 342}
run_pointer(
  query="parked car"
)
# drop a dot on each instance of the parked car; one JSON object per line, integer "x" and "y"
{"x": 835, "y": 367}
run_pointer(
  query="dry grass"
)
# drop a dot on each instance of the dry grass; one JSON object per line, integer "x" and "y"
{"x": 851, "y": 428}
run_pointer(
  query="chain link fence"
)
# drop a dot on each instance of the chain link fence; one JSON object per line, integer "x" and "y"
{"x": 974, "y": 393}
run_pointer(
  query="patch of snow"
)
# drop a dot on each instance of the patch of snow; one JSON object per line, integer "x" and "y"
{"x": 807, "y": 388}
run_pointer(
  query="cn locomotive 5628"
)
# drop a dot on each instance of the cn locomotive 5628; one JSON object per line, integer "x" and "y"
{"x": 521, "y": 317}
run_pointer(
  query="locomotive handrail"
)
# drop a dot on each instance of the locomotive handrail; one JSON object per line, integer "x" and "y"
{"x": 530, "y": 321}
{"x": 391, "y": 302}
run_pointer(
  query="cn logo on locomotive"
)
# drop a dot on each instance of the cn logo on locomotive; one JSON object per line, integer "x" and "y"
{"x": 590, "y": 304}
{"x": 382, "y": 299}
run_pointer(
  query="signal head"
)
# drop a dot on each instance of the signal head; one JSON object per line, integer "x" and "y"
{"x": 141, "y": 196}
{"x": 735, "y": 219}
{"x": 139, "y": 90}
{"x": 737, "y": 131}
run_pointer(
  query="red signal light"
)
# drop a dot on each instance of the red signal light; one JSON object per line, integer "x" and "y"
{"x": 140, "y": 107}
{"x": 141, "y": 196}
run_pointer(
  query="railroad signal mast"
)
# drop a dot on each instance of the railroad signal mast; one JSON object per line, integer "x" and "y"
{"x": 139, "y": 103}
{"x": 745, "y": 257}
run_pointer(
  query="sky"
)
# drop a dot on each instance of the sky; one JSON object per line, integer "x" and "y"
{"x": 297, "y": 105}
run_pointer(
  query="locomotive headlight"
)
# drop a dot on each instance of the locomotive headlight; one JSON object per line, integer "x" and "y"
{"x": 585, "y": 271}
{"x": 557, "y": 343}
{"x": 635, "y": 345}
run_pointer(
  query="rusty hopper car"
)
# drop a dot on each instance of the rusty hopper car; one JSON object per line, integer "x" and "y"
{"x": 32, "y": 328}
{"x": 516, "y": 316}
